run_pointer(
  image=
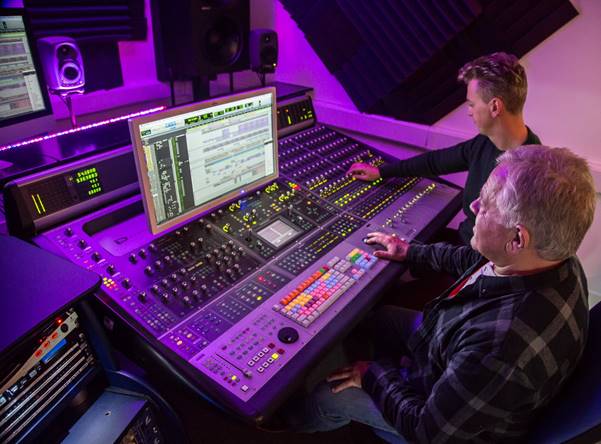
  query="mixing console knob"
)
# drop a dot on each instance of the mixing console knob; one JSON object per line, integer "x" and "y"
{"x": 216, "y": 252}
{"x": 290, "y": 210}
{"x": 248, "y": 236}
{"x": 208, "y": 228}
{"x": 175, "y": 291}
{"x": 200, "y": 242}
{"x": 237, "y": 268}
{"x": 186, "y": 229}
{"x": 96, "y": 256}
{"x": 168, "y": 259}
{"x": 194, "y": 248}
{"x": 142, "y": 296}
{"x": 230, "y": 273}
{"x": 214, "y": 216}
{"x": 148, "y": 270}
{"x": 164, "y": 283}
{"x": 196, "y": 295}
{"x": 187, "y": 301}
{"x": 179, "y": 233}
{"x": 173, "y": 277}
{"x": 111, "y": 269}
{"x": 219, "y": 265}
{"x": 204, "y": 288}
{"x": 82, "y": 243}
{"x": 142, "y": 253}
{"x": 159, "y": 265}
{"x": 153, "y": 248}
{"x": 126, "y": 283}
{"x": 185, "y": 285}
{"x": 209, "y": 257}
{"x": 165, "y": 298}
{"x": 183, "y": 271}
{"x": 155, "y": 289}
{"x": 68, "y": 232}
{"x": 133, "y": 258}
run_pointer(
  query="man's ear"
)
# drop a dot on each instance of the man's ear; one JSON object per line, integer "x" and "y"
{"x": 496, "y": 106}
{"x": 520, "y": 241}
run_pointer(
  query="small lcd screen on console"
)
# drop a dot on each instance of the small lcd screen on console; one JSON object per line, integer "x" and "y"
{"x": 278, "y": 233}
{"x": 194, "y": 158}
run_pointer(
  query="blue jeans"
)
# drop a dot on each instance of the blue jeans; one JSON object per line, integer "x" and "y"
{"x": 322, "y": 410}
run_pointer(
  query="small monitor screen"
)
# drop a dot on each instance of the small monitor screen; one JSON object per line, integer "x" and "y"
{"x": 194, "y": 158}
{"x": 278, "y": 233}
{"x": 22, "y": 94}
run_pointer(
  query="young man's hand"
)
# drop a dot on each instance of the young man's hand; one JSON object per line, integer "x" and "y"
{"x": 349, "y": 376}
{"x": 396, "y": 247}
{"x": 364, "y": 171}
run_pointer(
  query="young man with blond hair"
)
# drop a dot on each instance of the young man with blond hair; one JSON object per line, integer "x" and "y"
{"x": 496, "y": 94}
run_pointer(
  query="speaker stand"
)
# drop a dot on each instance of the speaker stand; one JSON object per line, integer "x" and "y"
{"x": 66, "y": 98}
{"x": 200, "y": 88}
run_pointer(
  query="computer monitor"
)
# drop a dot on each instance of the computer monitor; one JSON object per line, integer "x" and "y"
{"x": 193, "y": 158}
{"x": 23, "y": 93}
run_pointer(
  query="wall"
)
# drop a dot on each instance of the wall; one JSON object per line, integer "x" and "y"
{"x": 563, "y": 102}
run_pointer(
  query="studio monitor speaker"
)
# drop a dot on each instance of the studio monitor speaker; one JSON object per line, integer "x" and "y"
{"x": 263, "y": 50}
{"x": 62, "y": 64}
{"x": 195, "y": 38}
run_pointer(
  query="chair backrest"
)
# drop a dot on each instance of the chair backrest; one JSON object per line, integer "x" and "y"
{"x": 577, "y": 408}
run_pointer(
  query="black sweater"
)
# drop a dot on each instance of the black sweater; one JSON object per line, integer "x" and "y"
{"x": 478, "y": 156}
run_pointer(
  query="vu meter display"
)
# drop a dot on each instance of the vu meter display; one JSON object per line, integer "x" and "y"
{"x": 193, "y": 158}
{"x": 87, "y": 182}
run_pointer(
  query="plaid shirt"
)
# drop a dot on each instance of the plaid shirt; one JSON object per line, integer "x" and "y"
{"x": 484, "y": 361}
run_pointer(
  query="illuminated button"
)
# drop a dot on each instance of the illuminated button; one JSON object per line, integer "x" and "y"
{"x": 244, "y": 388}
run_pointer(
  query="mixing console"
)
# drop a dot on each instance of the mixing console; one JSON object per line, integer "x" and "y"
{"x": 238, "y": 293}
{"x": 249, "y": 219}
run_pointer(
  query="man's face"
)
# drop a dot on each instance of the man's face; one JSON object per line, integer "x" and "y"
{"x": 477, "y": 108}
{"x": 490, "y": 236}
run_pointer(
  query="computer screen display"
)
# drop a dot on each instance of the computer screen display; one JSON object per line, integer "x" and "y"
{"x": 22, "y": 91}
{"x": 194, "y": 158}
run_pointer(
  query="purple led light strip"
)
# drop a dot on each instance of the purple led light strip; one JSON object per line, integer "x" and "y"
{"x": 82, "y": 128}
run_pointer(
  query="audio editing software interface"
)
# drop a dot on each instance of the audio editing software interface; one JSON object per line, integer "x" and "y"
{"x": 256, "y": 264}
{"x": 199, "y": 156}
{"x": 19, "y": 82}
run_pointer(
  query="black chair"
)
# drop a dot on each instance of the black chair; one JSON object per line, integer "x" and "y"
{"x": 575, "y": 415}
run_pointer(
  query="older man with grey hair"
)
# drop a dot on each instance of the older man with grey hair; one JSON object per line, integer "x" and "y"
{"x": 498, "y": 344}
